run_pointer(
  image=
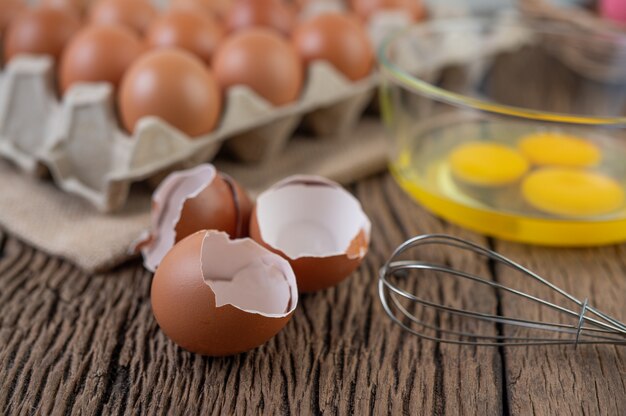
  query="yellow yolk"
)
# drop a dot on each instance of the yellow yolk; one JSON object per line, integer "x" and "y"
{"x": 572, "y": 192}
{"x": 487, "y": 164}
{"x": 555, "y": 149}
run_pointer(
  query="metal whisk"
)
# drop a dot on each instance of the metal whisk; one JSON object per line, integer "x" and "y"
{"x": 588, "y": 325}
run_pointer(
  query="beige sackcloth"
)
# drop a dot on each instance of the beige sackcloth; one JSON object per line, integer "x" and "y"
{"x": 37, "y": 212}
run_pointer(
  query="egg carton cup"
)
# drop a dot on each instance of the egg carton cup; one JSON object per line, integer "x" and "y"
{"x": 79, "y": 141}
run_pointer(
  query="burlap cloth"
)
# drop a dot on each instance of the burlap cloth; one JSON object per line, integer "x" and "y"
{"x": 37, "y": 212}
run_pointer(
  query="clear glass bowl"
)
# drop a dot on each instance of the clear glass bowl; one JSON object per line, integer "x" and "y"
{"x": 510, "y": 127}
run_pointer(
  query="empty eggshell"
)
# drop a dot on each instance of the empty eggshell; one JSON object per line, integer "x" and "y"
{"x": 315, "y": 224}
{"x": 189, "y": 201}
{"x": 215, "y": 296}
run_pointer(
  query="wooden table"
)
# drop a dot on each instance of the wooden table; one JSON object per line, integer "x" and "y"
{"x": 74, "y": 343}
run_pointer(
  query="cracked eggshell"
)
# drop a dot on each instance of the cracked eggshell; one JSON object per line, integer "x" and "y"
{"x": 318, "y": 226}
{"x": 192, "y": 200}
{"x": 215, "y": 296}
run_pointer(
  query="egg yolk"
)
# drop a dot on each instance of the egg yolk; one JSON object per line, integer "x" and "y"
{"x": 572, "y": 192}
{"x": 487, "y": 164}
{"x": 555, "y": 149}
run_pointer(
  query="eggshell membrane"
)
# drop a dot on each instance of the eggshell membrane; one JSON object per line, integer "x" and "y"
{"x": 174, "y": 85}
{"x": 8, "y": 10}
{"x": 366, "y": 8}
{"x": 275, "y": 14}
{"x": 338, "y": 39}
{"x": 316, "y": 225}
{"x": 134, "y": 14}
{"x": 263, "y": 61}
{"x": 197, "y": 33}
{"x": 40, "y": 31}
{"x": 193, "y": 200}
{"x": 99, "y": 53}
{"x": 217, "y": 297}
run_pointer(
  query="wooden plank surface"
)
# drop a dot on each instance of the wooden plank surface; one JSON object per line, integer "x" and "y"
{"x": 71, "y": 343}
{"x": 561, "y": 380}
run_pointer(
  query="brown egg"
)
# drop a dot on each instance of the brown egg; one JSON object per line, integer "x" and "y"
{"x": 174, "y": 85}
{"x": 316, "y": 225}
{"x": 135, "y": 14}
{"x": 338, "y": 39}
{"x": 262, "y": 60}
{"x": 43, "y": 31}
{"x": 215, "y": 296}
{"x": 99, "y": 54}
{"x": 196, "y": 32}
{"x": 276, "y": 14}
{"x": 8, "y": 10}
{"x": 365, "y": 8}
{"x": 77, "y": 6}
{"x": 217, "y": 8}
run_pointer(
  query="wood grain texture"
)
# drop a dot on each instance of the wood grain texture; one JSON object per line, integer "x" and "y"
{"x": 589, "y": 380}
{"x": 71, "y": 343}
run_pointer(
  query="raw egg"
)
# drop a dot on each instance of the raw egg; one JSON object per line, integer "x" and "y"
{"x": 262, "y": 60}
{"x": 276, "y": 14}
{"x": 316, "y": 225}
{"x": 487, "y": 164}
{"x": 99, "y": 54}
{"x": 196, "y": 199}
{"x": 215, "y": 296}
{"x": 557, "y": 149}
{"x": 365, "y": 8}
{"x": 134, "y": 14}
{"x": 174, "y": 85}
{"x": 572, "y": 192}
{"x": 41, "y": 31}
{"x": 338, "y": 39}
{"x": 196, "y": 32}
{"x": 8, "y": 10}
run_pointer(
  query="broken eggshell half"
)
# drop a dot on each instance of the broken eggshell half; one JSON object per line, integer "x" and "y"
{"x": 215, "y": 296}
{"x": 318, "y": 226}
{"x": 191, "y": 200}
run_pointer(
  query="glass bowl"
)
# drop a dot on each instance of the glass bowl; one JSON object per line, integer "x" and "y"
{"x": 513, "y": 128}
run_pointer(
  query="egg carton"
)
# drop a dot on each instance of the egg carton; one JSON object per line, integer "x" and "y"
{"x": 79, "y": 141}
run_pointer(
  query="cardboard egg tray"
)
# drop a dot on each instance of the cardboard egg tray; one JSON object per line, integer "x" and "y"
{"x": 78, "y": 139}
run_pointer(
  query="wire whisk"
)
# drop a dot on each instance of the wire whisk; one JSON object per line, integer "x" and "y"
{"x": 586, "y": 325}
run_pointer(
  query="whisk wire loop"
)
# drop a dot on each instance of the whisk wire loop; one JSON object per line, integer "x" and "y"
{"x": 599, "y": 329}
